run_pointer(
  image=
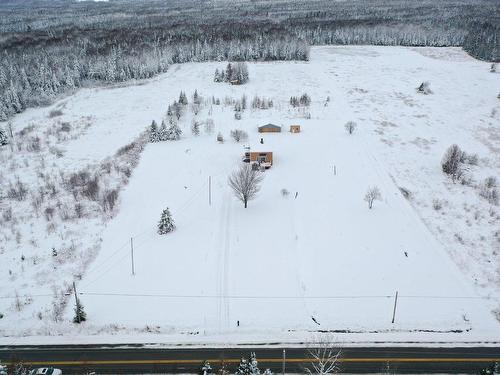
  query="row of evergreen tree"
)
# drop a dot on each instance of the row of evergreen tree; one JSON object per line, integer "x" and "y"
{"x": 34, "y": 78}
{"x": 51, "y": 47}
{"x": 163, "y": 133}
{"x": 234, "y": 73}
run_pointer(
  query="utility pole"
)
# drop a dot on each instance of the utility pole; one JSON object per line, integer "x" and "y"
{"x": 284, "y": 360}
{"x": 209, "y": 190}
{"x": 76, "y": 302}
{"x": 395, "y": 304}
{"x": 132, "y": 254}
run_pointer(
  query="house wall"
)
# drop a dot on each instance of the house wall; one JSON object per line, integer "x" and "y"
{"x": 254, "y": 156}
{"x": 269, "y": 130}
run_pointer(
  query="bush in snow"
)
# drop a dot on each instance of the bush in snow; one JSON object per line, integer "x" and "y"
{"x": 3, "y": 137}
{"x": 350, "y": 127}
{"x": 245, "y": 182}
{"x": 488, "y": 190}
{"x": 220, "y": 138}
{"x": 239, "y": 135}
{"x": 437, "y": 204}
{"x": 166, "y": 224}
{"x": 284, "y": 193}
{"x": 209, "y": 126}
{"x": 452, "y": 162}
{"x": 493, "y": 68}
{"x": 424, "y": 88}
{"x": 372, "y": 195}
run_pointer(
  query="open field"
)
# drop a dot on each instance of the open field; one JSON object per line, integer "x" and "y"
{"x": 317, "y": 259}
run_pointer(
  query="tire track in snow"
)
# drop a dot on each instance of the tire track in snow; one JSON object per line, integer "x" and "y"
{"x": 227, "y": 253}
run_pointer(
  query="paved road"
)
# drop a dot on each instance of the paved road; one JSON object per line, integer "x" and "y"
{"x": 139, "y": 360}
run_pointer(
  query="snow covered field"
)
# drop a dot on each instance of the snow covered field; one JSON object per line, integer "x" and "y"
{"x": 317, "y": 259}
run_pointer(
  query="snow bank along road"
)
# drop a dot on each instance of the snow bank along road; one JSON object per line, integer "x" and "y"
{"x": 121, "y": 360}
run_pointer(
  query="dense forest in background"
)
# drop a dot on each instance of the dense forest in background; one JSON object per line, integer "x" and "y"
{"x": 49, "y": 47}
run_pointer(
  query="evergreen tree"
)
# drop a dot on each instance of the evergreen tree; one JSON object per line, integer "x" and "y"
{"x": 229, "y": 73}
{"x": 243, "y": 368}
{"x": 217, "y": 77}
{"x": 80, "y": 315}
{"x": 183, "y": 98}
{"x": 206, "y": 369}
{"x": 166, "y": 224}
{"x": 163, "y": 134}
{"x": 174, "y": 132}
{"x": 3, "y": 137}
{"x": 196, "y": 97}
{"x": 253, "y": 365}
{"x": 195, "y": 128}
{"x": 169, "y": 111}
{"x": 153, "y": 132}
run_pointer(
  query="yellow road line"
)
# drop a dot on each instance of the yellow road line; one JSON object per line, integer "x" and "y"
{"x": 234, "y": 360}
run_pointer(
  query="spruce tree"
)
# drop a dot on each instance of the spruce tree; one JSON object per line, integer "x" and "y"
{"x": 166, "y": 224}
{"x": 80, "y": 315}
{"x": 183, "y": 98}
{"x": 3, "y": 137}
{"x": 206, "y": 369}
{"x": 253, "y": 365}
{"x": 163, "y": 133}
{"x": 174, "y": 132}
{"x": 196, "y": 97}
{"x": 229, "y": 73}
{"x": 153, "y": 132}
{"x": 243, "y": 368}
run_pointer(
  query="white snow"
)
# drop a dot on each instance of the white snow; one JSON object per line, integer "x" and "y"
{"x": 318, "y": 254}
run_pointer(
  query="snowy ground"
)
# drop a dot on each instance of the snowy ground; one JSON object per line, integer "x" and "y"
{"x": 285, "y": 260}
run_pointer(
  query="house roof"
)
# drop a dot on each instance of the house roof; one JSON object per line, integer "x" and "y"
{"x": 269, "y": 126}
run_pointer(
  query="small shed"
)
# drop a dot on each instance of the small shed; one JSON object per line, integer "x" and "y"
{"x": 262, "y": 158}
{"x": 269, "y": 128}
{"x": 235, "y": 82}
{"x": 294, "y": 128}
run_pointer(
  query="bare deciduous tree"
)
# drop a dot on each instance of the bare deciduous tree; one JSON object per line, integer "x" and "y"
{"x": 372, "y": 195}
{"x": 245, "y": 183}
{"x": 350, "y": 127}
{"x": 239, "y": 135}
{"x": 325, "y": 356}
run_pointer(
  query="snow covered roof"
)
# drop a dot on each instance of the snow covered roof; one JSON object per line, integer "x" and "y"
{"x": 269, "y": 126}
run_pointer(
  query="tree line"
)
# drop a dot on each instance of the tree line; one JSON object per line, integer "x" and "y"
{"x": 50, "y": 47}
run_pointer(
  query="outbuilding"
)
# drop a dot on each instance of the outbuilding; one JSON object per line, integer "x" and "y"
{"x": 294, "y": 128}
{"x": 269, "y": 128}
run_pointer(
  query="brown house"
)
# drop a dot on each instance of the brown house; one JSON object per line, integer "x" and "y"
{"x": 294, "y": 128}
{"x": 269, "y": 128}
{"x": 262, "y": 158}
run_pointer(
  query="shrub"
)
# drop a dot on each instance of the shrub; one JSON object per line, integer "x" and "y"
{"x": 372, "y": 195}
{"x": 239, "y": 135}
{"x": 452, "y": 162}
{"x": 350, "y": 127}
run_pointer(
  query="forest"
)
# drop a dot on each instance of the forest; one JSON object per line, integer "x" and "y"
{"x": 51, "y": 47}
